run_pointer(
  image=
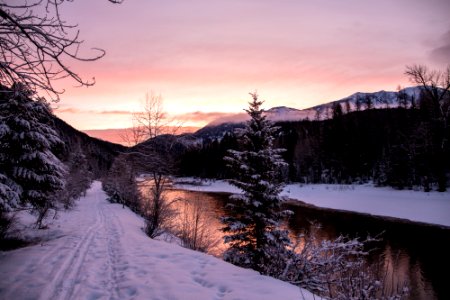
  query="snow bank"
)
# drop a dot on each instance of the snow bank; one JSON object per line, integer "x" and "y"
{"x": 98, "y": 251}
{"x": 432, "y": 208}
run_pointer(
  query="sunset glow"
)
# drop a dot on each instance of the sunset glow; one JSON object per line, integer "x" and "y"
{"x": 204, "y": 57}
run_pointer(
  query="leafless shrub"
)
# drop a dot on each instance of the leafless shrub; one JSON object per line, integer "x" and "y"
{"x": 194, "y": 226}
{"x": 337, "y": 269}
{"x": 158, "y": 211}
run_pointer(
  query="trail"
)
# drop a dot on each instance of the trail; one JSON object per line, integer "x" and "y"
{"x": 99, "y": 251}
{"x": 88, "y": 250}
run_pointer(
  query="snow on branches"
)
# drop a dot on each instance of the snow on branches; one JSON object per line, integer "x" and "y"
{"x": 253, "y": 232}
{"x": 30, "y": 173}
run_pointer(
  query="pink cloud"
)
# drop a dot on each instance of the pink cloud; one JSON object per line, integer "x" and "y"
{"x": 72, "y": 110}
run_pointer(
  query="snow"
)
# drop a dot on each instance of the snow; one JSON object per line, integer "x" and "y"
{"x": 432, "y": 207}
{"x": 99, "y": 251}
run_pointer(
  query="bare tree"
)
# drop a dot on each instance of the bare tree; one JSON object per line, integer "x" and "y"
{"x": 402, "y": 97}
{"x": 358, "y": 102}
{"x": 151, "y": 122}
{"x": 36, "y": 43}
{"x": 194, "y": 226}
{"x": 368, "y": 101}
{"x": 159, "y": 212}
{"x": 348, "y": 107}
{"x": 153, "y": 158}
{"x": 132, "y": 136}
{"x": 435, "y": 86}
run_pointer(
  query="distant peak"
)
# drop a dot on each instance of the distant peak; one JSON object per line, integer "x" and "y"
{"x": 281, "y": 109}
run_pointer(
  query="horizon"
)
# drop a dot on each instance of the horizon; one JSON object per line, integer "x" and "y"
{"x": 204, "y": 57}
{"x": 118, "y": 135}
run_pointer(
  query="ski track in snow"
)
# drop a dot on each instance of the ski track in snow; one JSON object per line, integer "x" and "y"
{"x": 69, "y": 259}
{"x": 98, "y": 251}
{"x": 98, "y": 246}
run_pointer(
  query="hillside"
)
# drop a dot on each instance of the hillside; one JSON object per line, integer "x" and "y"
{"x": 99, "y": 153}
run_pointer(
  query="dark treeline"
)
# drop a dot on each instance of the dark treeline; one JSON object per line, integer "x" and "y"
{"x": 396, "y": 147}
{"x": 99, "y": 154}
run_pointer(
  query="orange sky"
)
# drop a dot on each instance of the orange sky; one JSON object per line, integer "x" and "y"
{"x": 204, "y": 57}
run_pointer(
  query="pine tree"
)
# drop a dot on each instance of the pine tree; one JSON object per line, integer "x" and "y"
{"x": 27, "y": 162}
{"x": 253, "y": 233}
{"x": 9, "y": 191}
{"x": 120, "y": 183}
{"x": 78, "y": 178}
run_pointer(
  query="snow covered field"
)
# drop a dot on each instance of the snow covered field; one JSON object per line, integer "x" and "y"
{"x": 433, "y": 207}
{"x": 98, "y": 251}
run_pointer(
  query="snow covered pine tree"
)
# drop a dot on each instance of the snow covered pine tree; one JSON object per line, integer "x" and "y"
{"x": 252, "y": 232}
{"x": 28, "y": 166}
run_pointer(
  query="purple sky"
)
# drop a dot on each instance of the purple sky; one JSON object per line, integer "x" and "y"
{"x": 205, "y": 56}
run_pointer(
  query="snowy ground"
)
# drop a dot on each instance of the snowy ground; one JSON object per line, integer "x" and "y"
{"x": 433, "y": 207}
{"x": 98, "y": 251}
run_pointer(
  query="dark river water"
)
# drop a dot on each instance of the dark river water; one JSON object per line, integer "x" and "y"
{"x": 417, "y": 254}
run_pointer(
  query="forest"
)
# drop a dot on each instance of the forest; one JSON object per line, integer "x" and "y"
{"x": 399, "y": 147}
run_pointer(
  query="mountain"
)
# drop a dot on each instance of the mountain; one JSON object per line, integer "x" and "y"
{"x": 406, "y": 97}
{"x": 361, "y": 101}
{"x": 117, "y": 135}
{"x": 99, "y": 154}
{"x": 78, "y": 150}
{"x": 356, "y": 101}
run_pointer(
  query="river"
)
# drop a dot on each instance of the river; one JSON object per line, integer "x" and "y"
{"x": 415, "y": 253}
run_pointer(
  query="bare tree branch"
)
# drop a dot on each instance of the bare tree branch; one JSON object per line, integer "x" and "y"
{"x": 150, "y": 122}
{"x": 35, "y": 43}
{"x": 435, "y": 86}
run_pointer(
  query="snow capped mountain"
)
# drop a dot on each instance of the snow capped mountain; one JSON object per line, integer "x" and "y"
{"x": 356, "y": 101}
{"x": 282, "y": 110}
{"x": 361, "y": 101}
{"x": 283, "y": 113}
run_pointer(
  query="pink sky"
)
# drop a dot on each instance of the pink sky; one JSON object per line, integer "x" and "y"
{"x": 204, "y": 57}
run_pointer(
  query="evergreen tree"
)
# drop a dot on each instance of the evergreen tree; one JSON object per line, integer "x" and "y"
{"x": 253, "y": 233}
{"x": 28, "y": 165}
{"x": 9, "y": 190}
{"x": 337, "y": 110}
{"x": 120, "y": 183}
{"x": 78, "y": 179}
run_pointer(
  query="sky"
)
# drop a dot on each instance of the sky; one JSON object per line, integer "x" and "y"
{"x": 205, "y": 56}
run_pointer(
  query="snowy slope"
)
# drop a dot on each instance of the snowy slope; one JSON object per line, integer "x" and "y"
{"x": 98, "y": 251}
{"x": 433, "y": 207}
{"x": 380, "y": 99}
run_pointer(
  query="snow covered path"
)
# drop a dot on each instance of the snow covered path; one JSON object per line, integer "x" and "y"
{"x": 98, "y": 251}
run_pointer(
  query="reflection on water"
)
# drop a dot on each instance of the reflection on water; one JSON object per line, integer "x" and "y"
{"x": 197, "y": 223}
{"x": 412, "y": 253}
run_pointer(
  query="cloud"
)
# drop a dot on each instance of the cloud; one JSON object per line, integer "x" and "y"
{"x": 72, "y": 110}
{"x": 69, "y": 110}
{"x": 441, "y": 54}
{"x": 210, "y": 117}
